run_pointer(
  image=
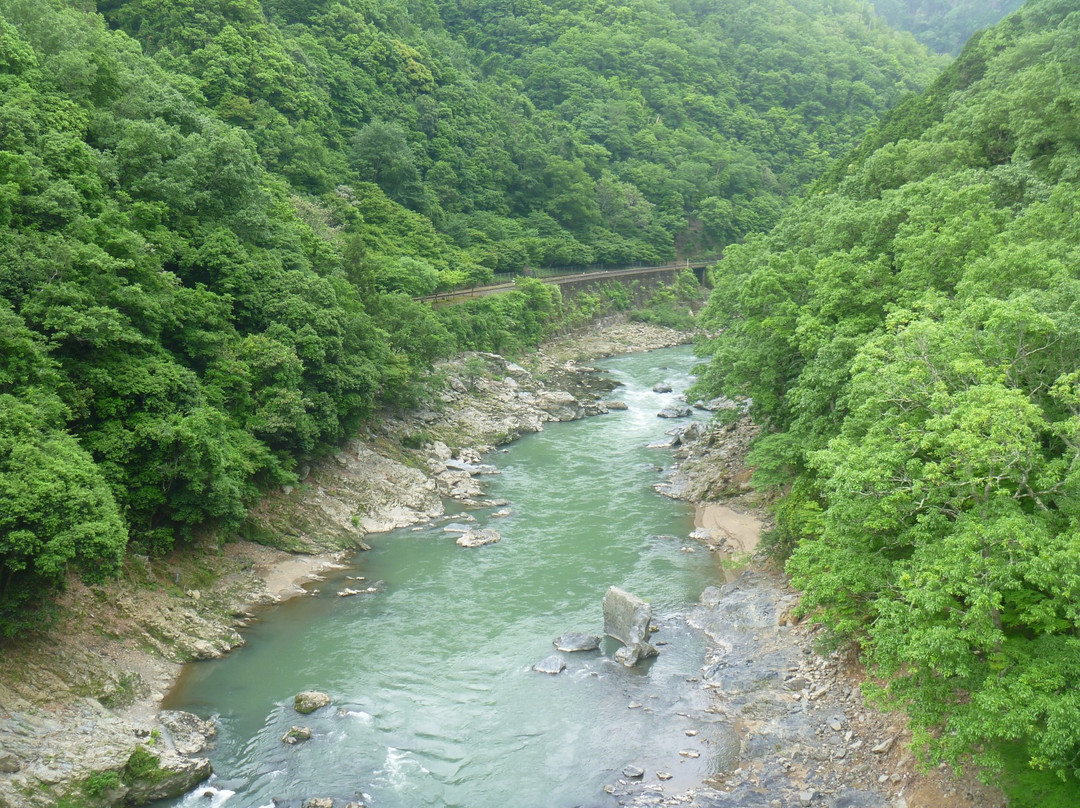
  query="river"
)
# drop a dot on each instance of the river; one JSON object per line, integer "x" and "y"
{"x": 435, "y": 702}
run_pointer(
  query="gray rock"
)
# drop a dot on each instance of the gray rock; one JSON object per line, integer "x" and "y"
{"x": 627, "y": 618}
{"x": 616, "y": 405}
{"x": 189, "y": 733}
{"x": 173, "y": 776}
{"x": 675, "y": 411}
{"x": 470, "y": 468}
{"x": 633, "y": 772}
{"x": 478, "y": 538}
{"x": 309, "y": 701}
{"x": 560, "y": 405}
{"x": 319, "y": 802}
{"x": 9, "y": 764}
{"x": 715, "y": 404}
{"x": 661, "y": 387}
{"x": 552, "y": 664}
{"x": 576, "y": 641}
{"x": 296, "y": 734}
{"x": 883, "y": 747}
{"x": 806, "y": 797}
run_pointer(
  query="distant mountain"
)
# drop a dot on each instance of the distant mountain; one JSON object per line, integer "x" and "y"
{"x": 944, "y": 25}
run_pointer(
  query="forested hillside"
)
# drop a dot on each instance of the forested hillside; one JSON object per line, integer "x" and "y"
{"x": 909, "y": 336}
{"x": 944, "y": 25}
{"x": 212, "y": 216}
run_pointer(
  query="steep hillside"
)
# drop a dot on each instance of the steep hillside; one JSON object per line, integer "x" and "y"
{"x": 213, "y": 216}
{"x": 908, "y": 334}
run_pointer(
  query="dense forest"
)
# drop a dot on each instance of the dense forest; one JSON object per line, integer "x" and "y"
{"x": 944, "y": 25}
{"x": 909, "y": 336}
{"x": 213, "y": 217}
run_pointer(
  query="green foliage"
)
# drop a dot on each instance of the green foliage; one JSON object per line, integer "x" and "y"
{"x": 143, "y": 767}
{"x": 213, "y": 217}
{"x": 944, "y": 25}
{"x": 908, "y": 337}
{"x": 97, "y": 784}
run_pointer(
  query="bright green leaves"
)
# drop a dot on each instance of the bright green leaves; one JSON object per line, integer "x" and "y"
{"x": 909, "y": 338}
{"x": 55, "y": 507}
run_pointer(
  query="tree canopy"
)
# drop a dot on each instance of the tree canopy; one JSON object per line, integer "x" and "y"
{"x": 908, "y": 336}
{"x": 214, "y": 215}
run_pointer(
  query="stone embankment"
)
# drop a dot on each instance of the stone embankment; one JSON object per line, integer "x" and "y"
{"x": 79, "y": 716}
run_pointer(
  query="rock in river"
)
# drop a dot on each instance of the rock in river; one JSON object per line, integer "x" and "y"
{"x": 676, "y": 411}
{"x": 661, "y": 387}
{"x": 576, "y": 641}
{"x": 627, "y": 618}
{"x": 309, "y": 701}
{"x": 296, "y": 734}
{"x": 478, "y": 538}
{"x": 552, "y": 664}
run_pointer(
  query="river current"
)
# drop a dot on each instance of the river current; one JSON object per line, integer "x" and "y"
{"x": 435, "y": 702}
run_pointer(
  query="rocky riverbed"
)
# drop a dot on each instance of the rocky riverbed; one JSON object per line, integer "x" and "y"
{"x": 79, "y": 706}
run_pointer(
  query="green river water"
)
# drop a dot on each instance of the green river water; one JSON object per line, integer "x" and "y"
{"x": 434, "y": 699}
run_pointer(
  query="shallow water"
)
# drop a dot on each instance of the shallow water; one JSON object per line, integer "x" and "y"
{"x": 435, "y": 702}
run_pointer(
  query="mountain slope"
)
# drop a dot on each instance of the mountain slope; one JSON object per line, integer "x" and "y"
{"x": 908, "y": 336}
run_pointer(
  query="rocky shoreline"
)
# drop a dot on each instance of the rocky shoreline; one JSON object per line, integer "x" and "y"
{"x": 79, "y": 707}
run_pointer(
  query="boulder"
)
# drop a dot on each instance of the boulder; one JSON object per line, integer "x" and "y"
{"x": 296, "y": 734}
{"x": 189, "y": 733}
{"x": 576, "y": 641}
{"x": 9, "y": 764}
{"x": 560, "y": 405}
{"x": 715, "y": 404}
{"x": 319, "y": 802}
{"x": 309, "y": 701}
{"x": 478, "y": 538}
{"x": 150, "y": 777}
{"x": 552, "y": 664}
{"x": 627, "y": 618}
{"x": 616, "y": 405}
{"x": 675, "y": 411}
{"x": 661, "y": 387}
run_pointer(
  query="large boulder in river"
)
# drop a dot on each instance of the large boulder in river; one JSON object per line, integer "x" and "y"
{"x": 478, "y": 538}
{"x": 675, "y": 411}
{"x": 150, "y": 777}
{"x": 661, "y": 387}
{"x": 309, "y": 701}
{"x": 627, "y": 618}
{"x": 189, "y": 733}
{"x": 576, "y": 641}
{"x": 553, "y": 664}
